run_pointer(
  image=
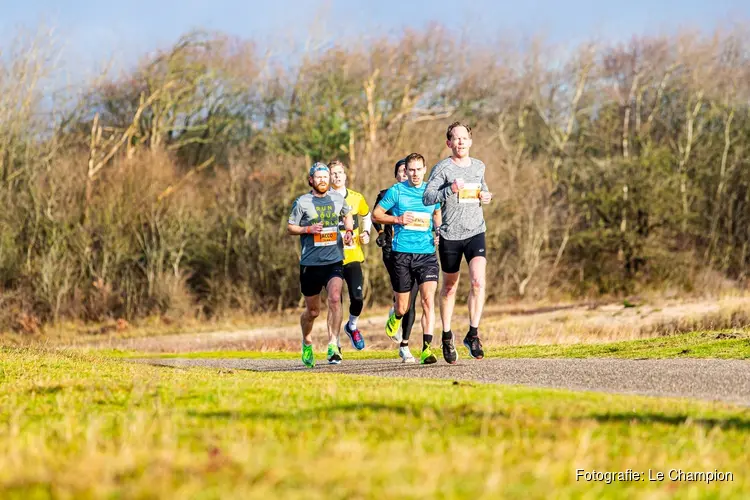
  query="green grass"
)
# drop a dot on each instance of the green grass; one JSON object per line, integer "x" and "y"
{"x": 726, "y": 344}
{"x": 78, "y": 425}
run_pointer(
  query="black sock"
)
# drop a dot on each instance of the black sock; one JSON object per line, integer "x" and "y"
{"x": 447, "y": 336}
{"x": 398, "y": 316}
{"x": 404, "y": 344}
{"x": 473, "y": 332}
{"x": 427, "y": 341}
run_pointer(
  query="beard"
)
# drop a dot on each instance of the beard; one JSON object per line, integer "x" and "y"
{"x": 321, "y": 187}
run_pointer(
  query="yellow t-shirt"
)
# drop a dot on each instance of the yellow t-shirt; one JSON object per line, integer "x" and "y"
{"x": 359, "y": 208}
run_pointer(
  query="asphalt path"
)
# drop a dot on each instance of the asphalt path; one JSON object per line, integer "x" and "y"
{"x": 705, "y": 379}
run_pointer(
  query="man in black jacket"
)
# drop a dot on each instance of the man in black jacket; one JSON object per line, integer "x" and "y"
{"x": 384, "y": 240}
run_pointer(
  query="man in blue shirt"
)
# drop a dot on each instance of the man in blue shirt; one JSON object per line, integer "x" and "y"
{"x": 413, "y": 249}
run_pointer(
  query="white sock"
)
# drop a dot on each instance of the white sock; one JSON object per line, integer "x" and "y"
{"x": 353, "y": 322}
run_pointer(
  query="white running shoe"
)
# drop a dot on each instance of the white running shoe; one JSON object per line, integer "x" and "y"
{"x": 405, "y": 354}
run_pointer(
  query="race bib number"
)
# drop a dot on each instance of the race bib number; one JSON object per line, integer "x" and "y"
{"x": 353, "y": 245}
{"x": 470, "y": 193}
{"x": 421, "y": 221}
{"x": 327, "y": 238}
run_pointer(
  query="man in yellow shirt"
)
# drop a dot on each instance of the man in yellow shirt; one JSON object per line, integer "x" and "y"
{"x": 353, "y": 254}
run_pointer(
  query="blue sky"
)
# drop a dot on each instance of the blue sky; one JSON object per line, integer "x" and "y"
{"x": 93, "y": 31}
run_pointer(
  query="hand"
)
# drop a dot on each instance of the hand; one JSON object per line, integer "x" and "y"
{"x": 348, "y": 238}
{"x": 437, "y": 239}
{"x": 316, "y": 228}
{"x": 365, "y": 237}
{"x": 458, "y": 185}
{"x": 406, "y": 219}
{"x": 485, "y": 196}
{"x": 381, "y": 239}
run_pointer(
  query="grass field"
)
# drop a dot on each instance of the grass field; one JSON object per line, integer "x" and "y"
{"x": 80, "y": 425}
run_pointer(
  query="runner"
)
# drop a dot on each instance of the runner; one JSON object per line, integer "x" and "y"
{"x": 413, "y": 250}
{"x": 315, "y": 217}
{"x": 353, "y": 254}
{"x": 458, "y": 184}
{"x": 384, "y": 241}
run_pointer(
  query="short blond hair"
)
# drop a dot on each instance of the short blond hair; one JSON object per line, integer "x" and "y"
{"x": 337, "y": 163}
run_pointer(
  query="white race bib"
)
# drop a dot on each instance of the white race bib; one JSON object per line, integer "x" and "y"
{"x": 470, "y": 193}
{"x": 327, "y": 238}
{"x": 421, "y": 221}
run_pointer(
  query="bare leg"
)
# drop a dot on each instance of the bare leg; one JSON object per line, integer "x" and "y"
{"x": 334, "y": 309}
{"x": 307, "y": 318}
{"x": 427, "y": 293}
{"x": 402, "y": 303}
{"x": 477, "y": 268}
{"x": 448, "y": 298}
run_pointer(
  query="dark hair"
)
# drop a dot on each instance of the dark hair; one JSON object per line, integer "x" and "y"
{"x": 399, "y": 164}
{"x": 449, "y": 133}
{"x": 414, "y": 157}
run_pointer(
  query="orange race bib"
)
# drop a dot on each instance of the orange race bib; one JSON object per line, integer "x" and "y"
{"x": 421, "y": 221}
{"x": 470, "y": 193}
{"x": 327, "y": 238}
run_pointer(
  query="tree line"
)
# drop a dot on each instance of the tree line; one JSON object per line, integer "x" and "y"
{"x": 616, "y": 167}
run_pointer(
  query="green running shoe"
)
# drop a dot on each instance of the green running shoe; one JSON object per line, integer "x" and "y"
{"x": 427, "y": 357}
{"x": 308, "y": 358}
{"x": 334, "y": 354}
{"x": 392, "y": 328}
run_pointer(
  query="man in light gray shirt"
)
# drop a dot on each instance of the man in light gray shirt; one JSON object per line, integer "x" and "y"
{"x": 315, "y": 217}
{"x": 459, "y": 185}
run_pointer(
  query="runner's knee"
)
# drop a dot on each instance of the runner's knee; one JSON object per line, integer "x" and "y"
{"x": 449, "y": 289}
{"x": 477, "y": 284}
{"x": 401, "y": 309}
{"x": 334, "y": 298}
{"x": 356, "y": 306}
{"x": 313, "y": 312}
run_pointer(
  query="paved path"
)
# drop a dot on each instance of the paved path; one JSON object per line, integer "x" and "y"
{"x": 708, "y": 379}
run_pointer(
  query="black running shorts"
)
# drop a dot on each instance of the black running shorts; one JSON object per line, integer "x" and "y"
{"x": 313, "y": 279}
{"x": 411, "y": 267}
{"x": 451, "y": 252}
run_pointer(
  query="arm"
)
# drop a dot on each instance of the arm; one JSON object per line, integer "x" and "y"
{"x": 378, "y": 226}
{"x": 364, "y": 211}
{"x": 379, "y": 215}
{"x": 347, "y": 215}
{"x": 484, "y": 194}
{"x": 296, "y": 230}
{"x": 437, "y": 190}
{"x": 437, "y": 221}
{"x": 367, "y": 222}
{"x": 293, "y": 226}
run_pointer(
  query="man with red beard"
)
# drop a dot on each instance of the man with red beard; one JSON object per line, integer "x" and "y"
{"x": 315, "y": 217}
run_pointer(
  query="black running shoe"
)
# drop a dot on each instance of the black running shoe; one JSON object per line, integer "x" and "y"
{"x": 474, "y": 345}
{"x": 449, "y": 352}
